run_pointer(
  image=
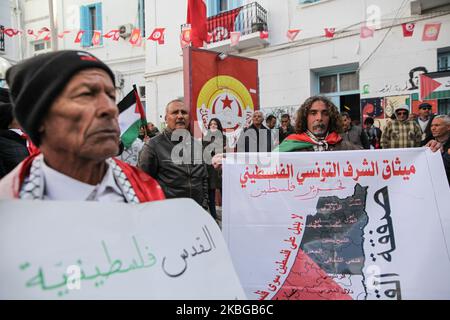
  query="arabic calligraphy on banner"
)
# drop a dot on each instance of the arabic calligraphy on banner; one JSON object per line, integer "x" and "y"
{"x": 113, "y": 251}
{"x": 384, "y": 169}
{"x": 307, "y": 227}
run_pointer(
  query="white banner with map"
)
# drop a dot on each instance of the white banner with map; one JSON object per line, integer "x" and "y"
{"x": 169, "y": 249}
{"x": 371, "y": 224}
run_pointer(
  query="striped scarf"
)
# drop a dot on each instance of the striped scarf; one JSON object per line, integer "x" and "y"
{"x": 307, "y": 140}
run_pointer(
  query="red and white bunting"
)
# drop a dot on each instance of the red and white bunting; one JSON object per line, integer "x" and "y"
{"x": 186, "y": 34}
{"x": 43, "y": 34}
{"x": 157, "y": 35}
{"x": 292, "y": 34}
{"x": 96, "y": 37}
{"x": 431, "y": 31}
{"x": 136, "y": 37}
{"x": 329, "y": 32}
{"x": 366, "y": 32}
{"x": 31, "y": 33}
{"x": 264, "y": 34}
{"x": 185, "y": 37}
{"x": 79, "y": 36}
{"x": 113, "y": 34}
{"x": 62, "y": 34}
{"x": 408, "y": 29}
{"x": 235, "y": 36}
{"x": 10, "y": 32}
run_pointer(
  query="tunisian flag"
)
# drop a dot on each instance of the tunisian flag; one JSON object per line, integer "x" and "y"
{"x": 329, "y": 32}
{"x": 408, "y": 29}
{"x": 196, "y": 17}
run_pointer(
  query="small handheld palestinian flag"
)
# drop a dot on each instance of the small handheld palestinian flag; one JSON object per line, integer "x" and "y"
{"x": 131, "y": 118}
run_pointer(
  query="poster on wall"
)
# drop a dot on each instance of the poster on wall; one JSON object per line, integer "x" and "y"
{"x": 373, "y": 107}
{"x": 393, "y": 102}
{"x": 217, "y": 85}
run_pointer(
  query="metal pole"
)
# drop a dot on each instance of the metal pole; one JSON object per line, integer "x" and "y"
{"x": 18, "y": 13}
{"x": 54, "y": 33}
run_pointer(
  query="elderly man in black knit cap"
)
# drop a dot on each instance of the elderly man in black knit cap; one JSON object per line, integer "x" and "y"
{"x": 65, "y": 102}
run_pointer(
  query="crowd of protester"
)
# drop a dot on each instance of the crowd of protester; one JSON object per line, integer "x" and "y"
{"x": 63, "y": 126}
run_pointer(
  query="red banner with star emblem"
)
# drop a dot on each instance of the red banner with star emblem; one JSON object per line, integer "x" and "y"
{"x": 220, "y": 86}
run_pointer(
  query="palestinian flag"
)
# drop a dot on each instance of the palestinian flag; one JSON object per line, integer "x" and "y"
{"x": 131, "y": 117}
{"x": 298, "y": 142}
{"x": 434, "y": 85}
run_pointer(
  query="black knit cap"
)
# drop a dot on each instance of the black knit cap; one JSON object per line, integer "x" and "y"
{"x": 35, "y": 83}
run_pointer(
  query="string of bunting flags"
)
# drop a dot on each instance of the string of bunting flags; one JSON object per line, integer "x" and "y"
{"x": 44, "y": 33}
{"x": 430, "y": 33}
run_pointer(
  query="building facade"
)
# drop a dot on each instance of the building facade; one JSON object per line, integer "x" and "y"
{"x": 365, "y": 77}
{"x": 69, "y": 16}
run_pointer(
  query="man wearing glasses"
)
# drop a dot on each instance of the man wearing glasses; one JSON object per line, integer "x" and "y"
{"x": 424, "y": 121}
{"x": 401, "y": 132}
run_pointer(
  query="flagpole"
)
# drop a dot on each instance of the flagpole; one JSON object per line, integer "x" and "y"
{"x": 52, "y": 26}
{"x": 138, "y": 100}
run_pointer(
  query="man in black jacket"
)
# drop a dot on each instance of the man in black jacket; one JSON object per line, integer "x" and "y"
{"x": 13, "y": 145}
{"x": 174, "y": 158}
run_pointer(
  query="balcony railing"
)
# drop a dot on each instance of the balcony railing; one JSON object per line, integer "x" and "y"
{"x": 246, "y": 19}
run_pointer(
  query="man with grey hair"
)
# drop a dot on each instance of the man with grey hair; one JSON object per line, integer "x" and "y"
{"x": 257, "y": 137}
{"x": 440, "y": 128}
{"x": 174, "y": 158}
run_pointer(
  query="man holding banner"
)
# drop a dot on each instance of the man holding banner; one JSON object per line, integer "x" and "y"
{"x": 317, "y": 128}
{"x": 65, "y": 102}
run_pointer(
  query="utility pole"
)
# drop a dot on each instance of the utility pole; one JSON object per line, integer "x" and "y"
{"x": 54, "y": 32}
{"x": 18, "y": 14}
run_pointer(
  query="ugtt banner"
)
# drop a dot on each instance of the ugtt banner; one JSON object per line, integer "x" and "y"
{"x": 220, "y": 86}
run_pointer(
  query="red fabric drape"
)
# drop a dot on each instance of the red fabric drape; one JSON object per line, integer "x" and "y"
{"x": 196, "y": 17}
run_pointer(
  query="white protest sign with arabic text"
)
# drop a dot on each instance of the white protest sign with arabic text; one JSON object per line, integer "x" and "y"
{"x": 169, "y": 249}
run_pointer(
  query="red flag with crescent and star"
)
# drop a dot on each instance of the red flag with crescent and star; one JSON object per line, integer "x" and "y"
{"x": 220, "y": 86}
{"x": 157, "y": 35}
{"x": 408, "y": 29}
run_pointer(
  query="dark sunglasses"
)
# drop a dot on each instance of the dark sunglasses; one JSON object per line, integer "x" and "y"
{"x": 425, "y": 108}
{"x": 401, "y": 113}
